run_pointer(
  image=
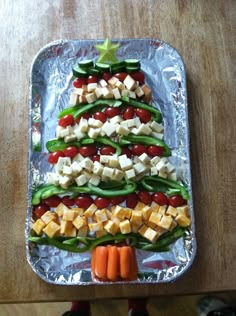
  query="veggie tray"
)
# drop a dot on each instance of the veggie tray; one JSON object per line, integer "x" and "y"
{"x": 109, "y": 183}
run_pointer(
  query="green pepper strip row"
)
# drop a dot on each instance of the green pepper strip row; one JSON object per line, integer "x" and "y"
{"x": 145, "y": 140}
{"x": 156, "y": 115}
{"x": 59, "y": 144}
{"x": 71, "y": 244}
{"x": 46, "y": 191}
{"x": 169, "y": 187}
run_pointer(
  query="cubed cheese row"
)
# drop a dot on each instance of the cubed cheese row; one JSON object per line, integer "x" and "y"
{"x": 149, "y": 221}
{"x": 113, "y": 127}
{"x": 82, "y": 170}
{"x": 111, "y": 89}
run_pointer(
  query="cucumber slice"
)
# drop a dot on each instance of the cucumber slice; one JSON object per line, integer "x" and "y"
{"x": 132, "y": 63}
{"x": 118, "y": 64}
{"x": 94, "y": 72}
{"x": 102, "y": 67}
{"x": 117, "y": 69}
{"x": 79, "y": 73}
{"x": 131, "y": 70}
{"x": 84, "y": 64}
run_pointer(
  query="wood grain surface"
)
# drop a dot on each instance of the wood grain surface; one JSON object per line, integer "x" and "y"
{"x": 204, "y": 34}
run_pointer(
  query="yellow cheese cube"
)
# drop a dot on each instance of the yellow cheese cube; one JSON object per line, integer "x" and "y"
{"x": 122, "y": 212}
{"x": 72, "y": 232}
{"x": 48, "y": 217}
{"x": 136, "y": 217}
{"x": 140, "y": 206}
{"x": 142, "y": 230}
{"x": 111, "y": 227}
{"x": 146, "y": 211}
{"x": 165, "y": 222}
{"x": 109, "y": 214}
{"x": 101, "y": 215}
{"x": 160, "y": 230}
{"x": 79, "y": 222}
{"x": 65, "y": 226}
{"x": 60, "y": 209}
{"x": 95, "y": 227}
{"x": 183, "y": 210}
{"x": 78, "y": 210}
{"x": 149, "y": 224}
{"x": 173, "y": 225}
{"x": 83, "y": 231}
{"x": 155, "y": 218}
{"x": 125, "y": 227}
{"x": 52, "y": 229}
{"x": 154, "y": 207}
{"x": 171, "y": 211}
{"x": 69, "y": 215}
{"x": 151, "y": 234}
{"x": 134, "y": 228}
{"x": 90, "y": 211}
{"x": 182, "y": 220}
{"x": 115, "y": 219}
{"x": 38, "y": 226}
{"x": 162, "y": 210}
{"x": 100, "y": 233}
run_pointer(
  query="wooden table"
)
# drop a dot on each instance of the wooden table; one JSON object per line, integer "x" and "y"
{"x": 204, "y": 34}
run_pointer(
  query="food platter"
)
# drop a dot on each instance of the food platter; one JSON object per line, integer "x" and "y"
{"x": 51, "y": 87}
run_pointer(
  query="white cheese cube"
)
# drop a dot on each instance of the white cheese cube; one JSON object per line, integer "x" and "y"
{"x": 137, "y": 122}
{"x": 65, "y": 132}
{"x": 154, "y": 161}
{"x": 91, "y": 97}
{"x": 52, "y": 178}
{"x": 92, "y": 86}
{"x": 59, "y": 129}
{"x": 118, "y": 175}
{"x": 161, "y": 166}
{"x": 87, "y": 164}
{"x": 134, "y": 131}
{"x": 124, "y": 123}
{"x": 136, "y": 159}
{"x": 78, "y": 158}
{"x": 78, "y": 91}
{"x": 129, "y": 82}
{"x": 122, "y": 157}
{"x": 144, "y": 158}
{"x": 65, "y": 181}
{"x": 94, "y": 123}
{"x": 83, "y": 125}
{"x": 70, "y": 138}
{"x": 74, "y": 99}
{"x": 156, "y": 127}
{"x": 107, "y": 94}
{"x": 95, "y": 180}
{"x": 97, "y": 168}
{"x": 81, "y": 180}
{"x": 76, "y": 168}
{"x": 62, "y": 161}
{"x": 79, "y": 135}
{"x": 132, "y": 95}
{"x": 126, "y": 164}
{"x": 154, "y": 171}
{"x": 98, "y": 93}
{"x": 112, "y": 81}
{"x": 82, "y": 99}
{"x": 172, "y": 176}
{"x": 93, "y": 132}
{"x": 120, "y": 85}
{"x": 139, "y": 92}
{"x": 107, "y": 172}
{"x": 140, "y": 168}
{"x": 116, "y": 119}
{"x": 104, "y": 158}
{"x": 109, "y": 129}
{"x": 169, "y": 167}
{"x": 131, "y": 123}
{"x": 157, "y": 135}
{"x": 122, "y": 130}
{"x": 130, "y": 174}
{"x": 103, "y": 83}
{"x": 144, "y": 129}
{"x": 163, "y": 174}
{"x": 113, "y": 161}
{"x": 116, "y": 93}
{"x": 67, "y": 170}
{"x": 125, "y": 93}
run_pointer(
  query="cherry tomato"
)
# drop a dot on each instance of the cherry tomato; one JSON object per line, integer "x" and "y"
{"x": 52, "y": 201}
{"x": 88, "y": 150}
{"x": 96, "y": 158}
{"x": 111, "y": 112}
{"x": 83, "y": 201}
{"x": 66, "y": 120}
{"x": 101, "y": 116}
{"x": 85, "y": 116}
{"x": 71, "y": 151}
{"x": 39, "y": 210}
{"x": 67, "y": 201}
{"x": 126, "y": 151}
{"x": 160, "y": 198}
{"x": 131, "y": 200}
{"x": 153, "y": 150}
{"x": 53, "y": 157}
{"x": 145, "y": 197}
{"x": 138, "y": 76}
{"x": 101, "y": 202}
{"x": 121, "y": 76}
{"x": 79, "y": 82}
{"x": 138, "y": 150}
{"x": 117, "y": 200}
{"x": 92, "y": 79}
{"x": 107, "y": 150}
{"x": 128, "y": 113}
{"x": 106, "y": 76}
{"x": 143, "y": 115}
{"x": 176, "y": 201}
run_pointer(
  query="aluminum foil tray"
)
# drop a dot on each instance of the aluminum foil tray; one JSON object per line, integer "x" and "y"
{"x": 50, "y": 87}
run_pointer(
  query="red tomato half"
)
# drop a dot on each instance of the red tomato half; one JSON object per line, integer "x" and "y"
{"x": 107, "y": 150}
{"x": 126, "y": 151}
{"x": 39, "y": 210}
{"x": 89, "y": 150}
{"x": 128, "y": 113}
{"x": 160, "y": 198}
{"x": 116, "y": 200}
{"x": 83, "y": 201}
{"x": 85, "y": 116}
{"x": 71, "y": 151}
{"x": 138, "y": 76}
{"x": 144, "y": 197}
{"x": 131, "y": 200}
{"x": 153, "y": 150}
{"x": 143, "y": 115}
{"x": 101, "y": 202}
{"x": 79, "y": 82}
{"x": 111, "y": 112}
{"x": 101, "y": 116}
{"x": 53, "y": 157}
{"x": 68, "y": 201}
{"x": 66, "y": 120}
{"x": 92, "y": 79}
{"x": 176, "y": 201}
{"x": 52, "y": 201}
{"x": 121, "y": 76}
{"x": 138, "y": 150}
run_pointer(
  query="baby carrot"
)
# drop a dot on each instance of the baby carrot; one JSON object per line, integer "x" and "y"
{"x": 113, "y": 263}
{"x": 125, "y": 262}
{"x": 134, "y": 265}
{"x": 93, "y": 261}
{"x": 101, "y": 262}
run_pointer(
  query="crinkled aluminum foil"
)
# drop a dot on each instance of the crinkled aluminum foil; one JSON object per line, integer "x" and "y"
{"x": 50, "y": 87}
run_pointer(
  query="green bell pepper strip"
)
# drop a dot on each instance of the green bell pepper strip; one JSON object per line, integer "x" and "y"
{"x": 156, "y": 114}
{"x": 125, "y": 190}
{"x": 111, "y": 184}
{"x": 70, "y": 248}
{"x": 116, "y": 238}
{"x": 59, "y": 144}
{"x": 145, "y": 140}
{"x": 78, "y": 110}
{"x": 38, "y": 194}
{"x": 170, "y": 187}
{"x": 38, "y": 240}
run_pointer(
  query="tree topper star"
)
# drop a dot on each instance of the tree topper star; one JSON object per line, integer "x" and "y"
{"x": 107, "y": 52}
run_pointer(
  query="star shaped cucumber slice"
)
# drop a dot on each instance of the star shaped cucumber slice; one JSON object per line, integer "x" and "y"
{"x": 107, "y": 52}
